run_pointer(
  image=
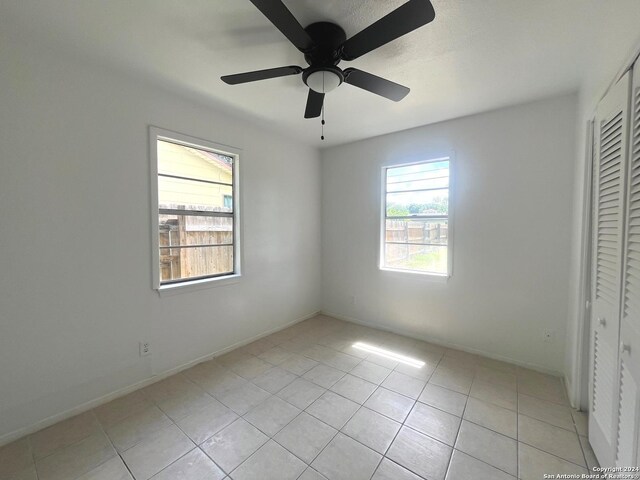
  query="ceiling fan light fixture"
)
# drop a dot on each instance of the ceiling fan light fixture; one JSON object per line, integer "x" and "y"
{"x": 323, "y": 81}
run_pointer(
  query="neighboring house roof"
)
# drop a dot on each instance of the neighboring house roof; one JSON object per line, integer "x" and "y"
{"x": 216, "y": 159}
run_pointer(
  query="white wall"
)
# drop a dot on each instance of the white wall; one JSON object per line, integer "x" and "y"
{"x": 75, "y": 239}
{"x": 512, "y": 200}
{"x": 611, "y": 50}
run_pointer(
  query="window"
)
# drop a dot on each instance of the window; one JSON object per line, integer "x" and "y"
{"x": 196, "y": 237}
{"x": 415, "y": 226}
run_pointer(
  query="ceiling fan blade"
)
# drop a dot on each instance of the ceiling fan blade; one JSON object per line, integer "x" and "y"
{"x": 374, "y": 84}
{"x": 261, "y": 75}
{"x": 314, "y": 104}
{"x": 404, "y": 19}
{"x": 283, "y": 19}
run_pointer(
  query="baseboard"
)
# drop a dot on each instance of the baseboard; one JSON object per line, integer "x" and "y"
{"x": 574, "y": 400}
{"x": 442, "y": 343}
{"x": 53, "y": 419}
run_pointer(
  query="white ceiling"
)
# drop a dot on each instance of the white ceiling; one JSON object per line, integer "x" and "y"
{"x": 477, "y": 54}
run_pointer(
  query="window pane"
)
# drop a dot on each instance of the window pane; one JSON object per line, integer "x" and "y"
{"x": 415, "y": 177}
{"x": 183, "y": 263}
{"x": 181, "y": 161}
{"x": 193, "y": 195}
{"x": 440, "y": 182}
{"x": 192, "y": 230}
{"x": 430, "y": 202}
{"x": 422, "y": 258}
{"x": 413, "y": 243}
{"x": 417, "y": 231}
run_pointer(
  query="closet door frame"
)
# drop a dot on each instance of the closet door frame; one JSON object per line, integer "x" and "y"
{"x": 579, "y": 394}
{"x": 628, "y": 426}
{"x": 607, "y": 279}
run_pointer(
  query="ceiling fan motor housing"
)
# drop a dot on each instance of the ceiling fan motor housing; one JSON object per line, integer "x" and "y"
{"x": 328, "y": 38}
{"x": 323, "y": 75}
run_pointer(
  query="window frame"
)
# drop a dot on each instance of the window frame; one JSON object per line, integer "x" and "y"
{"x": 383, "y": 217}
{"x": 156, "y": 134}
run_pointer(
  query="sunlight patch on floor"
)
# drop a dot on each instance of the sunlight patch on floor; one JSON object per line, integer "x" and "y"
{"x": 389, "y": 354}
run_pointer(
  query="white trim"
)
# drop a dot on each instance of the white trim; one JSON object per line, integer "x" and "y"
{"x": 442, "y": 343}
{"x": 426, "y": 276}
{"x": 155, "y": 134}
{"x": 451, "y": 213}
{"x": 580, "y": 367}
{"x": 439, "y": 277}
{"x": 91, "y": 404}
{"x": 195, "y": 285}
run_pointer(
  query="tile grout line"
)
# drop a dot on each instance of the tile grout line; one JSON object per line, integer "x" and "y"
{"x": 101, "y": 429}
{"x": 33, "y": 457}
{"x": 58, "y": 450}
{"x": 339, "y": 430}
{"x": 126, "y": 466}
{"x": 118, "y": 454}
{"x": 402, "y": 424}
{"x": 552, "y": 454}
{"x": 584, "y": 454}
{"x": 482, "y": 426}
{"x": 155, "y": 403}
{"x": 77, "y": 442}
{"x": 547, "y": 423}
{"x": 415, "y": 401}
{"x": 300, "y": 413}
{"x": 360, "y": 404}
{"x": 338, "y": 394}
{"x": 455, "y": 441}
{"x": 542, "y": 421}
{"x": 264, "y": 433}
{"x": 394, "y": 437}
{"x": 197, "y": 447}
{"x": 305, "y": 411}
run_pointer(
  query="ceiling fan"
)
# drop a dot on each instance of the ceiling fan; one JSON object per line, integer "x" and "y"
{"x": 325, "y": 45}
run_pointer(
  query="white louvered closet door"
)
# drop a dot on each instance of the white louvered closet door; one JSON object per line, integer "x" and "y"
{"x": 611, "y": 140}
{"x": 628, "y": 429}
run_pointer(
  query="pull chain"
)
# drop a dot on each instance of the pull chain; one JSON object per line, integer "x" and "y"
{"x": 322, "y": 122}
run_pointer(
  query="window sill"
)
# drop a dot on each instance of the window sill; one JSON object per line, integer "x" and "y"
{"x": 432, "y": 277}
{"x": 195, "y": 285}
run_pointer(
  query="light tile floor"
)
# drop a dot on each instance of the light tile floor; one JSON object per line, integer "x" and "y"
{"x": 305, "y": 404}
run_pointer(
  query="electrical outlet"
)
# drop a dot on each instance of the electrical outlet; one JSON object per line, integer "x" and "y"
{"x": 145, "y": 349}
{"x": 549, "y": 336}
